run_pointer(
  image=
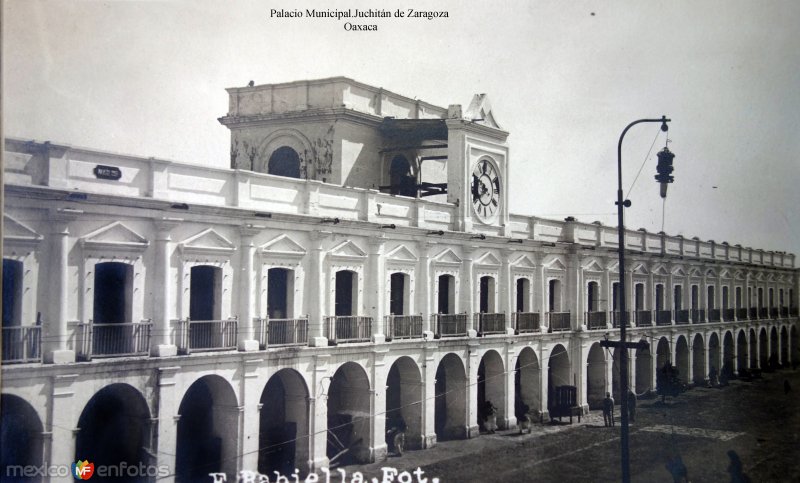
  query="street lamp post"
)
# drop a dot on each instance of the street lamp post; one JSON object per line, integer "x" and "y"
{"x": 623, "y": 362}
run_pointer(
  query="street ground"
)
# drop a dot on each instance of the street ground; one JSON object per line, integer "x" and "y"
{"x": 755, "y": 419}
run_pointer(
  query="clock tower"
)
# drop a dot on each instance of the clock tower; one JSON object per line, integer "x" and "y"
{"x": 477, "y": 172}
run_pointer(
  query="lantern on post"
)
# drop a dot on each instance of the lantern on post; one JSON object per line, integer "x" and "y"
{"x": 665, "y": 169}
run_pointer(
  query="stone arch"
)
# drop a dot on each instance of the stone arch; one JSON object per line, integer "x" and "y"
{"x": 774, "y": 349}
{"x": 741, "y": 351}
{"x": 491, "y": 387}
{"x": 699, "y": 372}
{"x": 527, "y": 382}
{"x": 283, "y": 444}
{"x": 713, "y": 354}
{"x": 558, "y": 371}
{"x": 21, "y": 439}
{"x": 753, "y": 341}
{"x": 285, "y": 138}
{"x": 349, "y": 415}
{"x": 207, "y": 430}
{"x": 728, "y": 366}
{"x": 784, "y": 346}
{"x": 644, "y": 371}
{"x": 404, "y": 400}
{"x": 596, "y": 376}
{"x": 682, "y": 359}
{"x": 284, "y": 161}
{"x": 663, "y": 354}
{"x": 114, "y": 428}
{"x": 795, "y": 346}
{"x": 616, "y": 382}
{"x": 450, "y": 413}
{"x": 763, "y": 356}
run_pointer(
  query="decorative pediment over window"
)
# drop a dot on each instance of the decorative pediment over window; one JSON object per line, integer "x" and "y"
{"x": 401, "y": 254}
{"x": 481, "y": 108}
{"x": 640, "y": 269}
{"x": 448, "y": 257}
{"x": 15, "y": 232}
{"x": 613, "y": 267}
{"x": 592, "y": 266}
{"x": 114, "y": 236}
{"x": 488, "y": 259}
{"x": 739, "y": 275}
{"x": 760, "y": 276}
{"x": 694, "y": 272}
{"x": 771, "y": 277}
{"x": 725, "y": 273}
{"x": 711, "y": 273}
{"x": 347, "y": 249}
{"x": 555, "y": 264}
{"x": 283, "y": 246}
{"x": 207, "y": 242}
{"x": 524, "y": 262}
{"x": 660, "y": 270}
{"x": 679, "y": 272}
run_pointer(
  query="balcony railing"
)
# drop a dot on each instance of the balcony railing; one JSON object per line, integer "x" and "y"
{"x": 728, "y": 315}
{"x": 281, "y": 332}
{"x": 663, "y": 317}
{"x": 753, "y": 313}
{"x": 644, "y": 318}
{"x": 114, "y": 340}
{"x": 488, "y": 323}
{"x": 784, "y": 312}
{"x": 206, "y": 335}
{"x": 348, "y": 328}
{"x": 774, "y": 312}
{"x": 559, "y": 321}
{"x": 793, "y": 312}
{"x": 403, "y": 327}
{"x": 525, "y": 322}
{"x": 681, "y": 317}
{"x": 451, "y": 325}
{"x": 698, "y": 316}
{"x": 741, "y": 314}
{"x": 763, "y": 313}
{"x": 617, "y": 318}
{"x": 22, "y": 344}
{"x": 596, "y": 320}
{"x": 714, "y": 315}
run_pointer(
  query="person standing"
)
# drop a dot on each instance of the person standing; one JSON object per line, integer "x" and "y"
{"x": 608, "y": 410}
{"x": 631, "y": 406}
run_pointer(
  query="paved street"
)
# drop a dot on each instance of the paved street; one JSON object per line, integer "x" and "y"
{"x": 755, "y": 419}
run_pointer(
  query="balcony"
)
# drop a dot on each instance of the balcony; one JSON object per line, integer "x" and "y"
{"x": 488, "y": 323}
{"x": 451, "y": 325}
{"x": 728, "y": 315}
{"x": 558, "y": 321}
{"x": 784, "y": 312}
{"x": 714, "y": 315}
{"x": 698, "y": 316}
{"x": 644, "y": 318}
{"x": 22, "y": 344}
{"x": 681, "y": 317}
{"x": 348, "y": 328}
{"x": 114, "y": 340}
{"x": 774, "y": 313}
{"x": 616, "y": 318}
{"x": 281, "y": 332}
{"x": 526, "y": 322}
{"x": 793, "y": 312}
{"x": 763, "y": 313}
{"x": 741, "y": 314}
{"x": 753, "y": 313}
{"x": 403, "y": 327}
{"x": 206, "y": 335}
{"x": 596, "y": 320}
{"x": 663, "y": 317}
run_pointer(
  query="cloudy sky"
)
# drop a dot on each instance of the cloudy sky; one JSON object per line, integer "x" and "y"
{"x": 147, "y": 78}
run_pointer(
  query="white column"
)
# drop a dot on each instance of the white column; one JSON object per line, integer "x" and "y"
{"x": 543, "y": 379}
{"x": 247, "y": 340}
{"x": 63, "y": 416}
{"x": 56, "y": 332}
{"x": 316, "y": 291}
{"x": 542, "y": 291}
{"x": 473, "y": 363}
{"x": 374, "y": 287}
{"x": 251, "y": 416}
{"x": 424, "y": 287}
{"x": 428, "y": 399}
{"x": 167, "y": 413}
{"x": 377, "y": 396}
{"x": 318, "y": 414}
{"x": 162, "y": 291}
{"x": 467, "y": 298}
{"x": 507, "y": 292}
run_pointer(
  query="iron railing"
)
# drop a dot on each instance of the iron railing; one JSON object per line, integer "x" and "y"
{"x": 526, "y": 322}
{"x": 207, "y": 335}
{"x": 22, "y": 344}
{"x": 681, "y": 317}
{"x": 451, "y": 325}
{"x": 281, "y": 332}
{"x": 114, "y": 340}
{"x": 784, "y": 312}
{"x": 793, "y": 312}
{"x": 596, "y": 320}
{"x": 763, "y": 313}
{"x": 403, "y": 326}
{"x": 753, "y": 313}
{"x": 617, "y": 318}
{"x": 487, "y": 323}
{"x": 728, "y": 315}
{"x": 774, "y": 312}
{"x": 348, "y": 328}
{"x": 644, "y": 318}
{"x": 559, "y": 321}
{"x": 714, "y": 315}
{"x": 698, "y": 316}
{"x": 741, "y": 314}
{"x": 663, "y": 317}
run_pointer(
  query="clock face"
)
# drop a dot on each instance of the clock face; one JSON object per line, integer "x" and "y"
{"x": 485, "y": 190}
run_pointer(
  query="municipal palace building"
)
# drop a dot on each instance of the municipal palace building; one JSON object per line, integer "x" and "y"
{"x": 355, "y": 269}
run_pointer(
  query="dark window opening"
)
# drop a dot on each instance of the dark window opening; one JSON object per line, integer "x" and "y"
{"x": 284, "y": 162}
{"x": 402, "y": 182}
{"x": 710, "y": 302}
{"x": 659, "y": 297}
{"x": 397, "y": 294}
{"x": 639, "y": 296}
{"x": 345, "y": 292}
{"x": 446, "y": 302}
{"x": 523, "y": 295}
{"x": 694, "y": 297}
{"x": 738, "y": 297}
{"x": 12, "y": 293}
{"x": 678, "y": 297}
{"x": 615, "y": 295}
{"x": 592, "y": 293}
{"x": 725, "y": 297}
{"x": 204, "y": 293}
{"x": 279, "y": 293}
{"x": 486, "y": 295}
{"x": 113, "y": 287}
{"x": 554, "y": 296}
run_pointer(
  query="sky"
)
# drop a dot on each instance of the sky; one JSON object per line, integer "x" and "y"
{"x": 147, "y": 78}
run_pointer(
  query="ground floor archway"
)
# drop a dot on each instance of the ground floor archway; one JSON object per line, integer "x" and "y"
{"x": 699, "y": 373}
{"x": 741, "y": 351}
{"x": 596, "y": 376}
{"x": 491, "y": 388}
{"x": 20, "y": 436}
{"x": 682, "y": 359}
{"x": 349, "y": 418}
{"x": 283, "y": 424}
{"x": 558, "y": 372}
{"x": 404, "y": 401}
{"x": 713, "y": 354}
{"x": 644, "y": 371}
{"x": 763, "y": 354}
{"x": 753, "y": 349}
{"x": 450, "y": 413}
{"x": 527, "y": 382}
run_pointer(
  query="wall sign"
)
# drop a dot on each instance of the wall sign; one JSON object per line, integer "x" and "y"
{"x": 107, "y": 172}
